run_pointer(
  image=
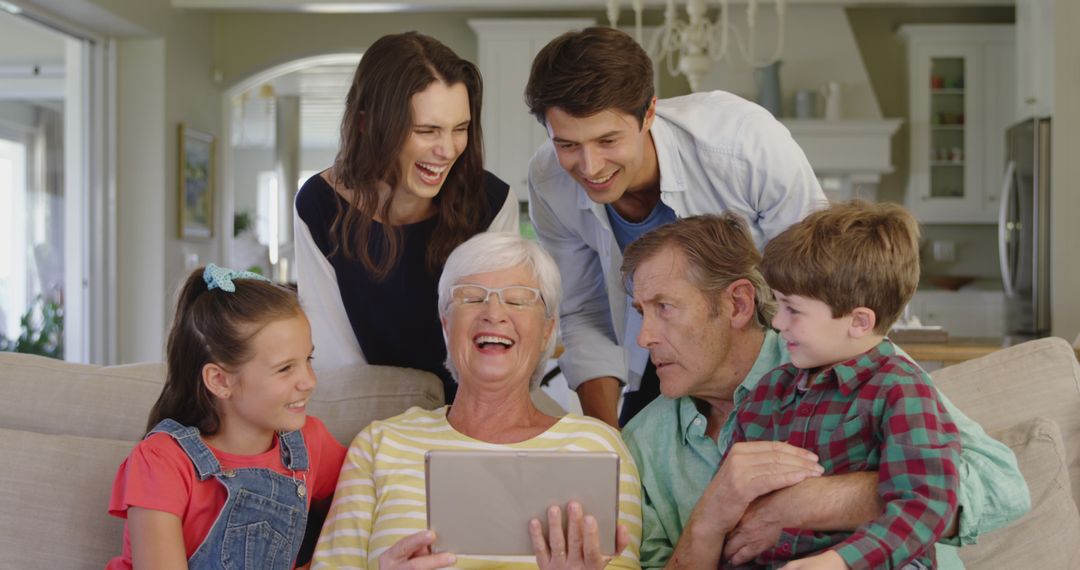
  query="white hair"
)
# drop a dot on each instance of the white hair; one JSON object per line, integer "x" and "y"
{"x": 487, "y": 252}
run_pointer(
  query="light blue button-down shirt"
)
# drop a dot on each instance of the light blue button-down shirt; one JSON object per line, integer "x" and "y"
{"x": 717, "y": 153}
{"x": 677, "y": 459}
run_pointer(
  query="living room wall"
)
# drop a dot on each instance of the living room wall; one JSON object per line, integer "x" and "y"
{"x": 242, "y": 49}
{"x": 1065, "y": 173}
{"x": 819, "y": 48}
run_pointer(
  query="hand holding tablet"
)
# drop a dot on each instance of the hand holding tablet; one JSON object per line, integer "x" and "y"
{"x": 579, "y": 546}
{"x": 491, "y": 502}
{"x": 414, "y": 553}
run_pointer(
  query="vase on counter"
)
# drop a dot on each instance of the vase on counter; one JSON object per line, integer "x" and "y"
{"x": 767, "y": 79}
{"x": 806, "y": 104}
{"x": 831, "y": 92}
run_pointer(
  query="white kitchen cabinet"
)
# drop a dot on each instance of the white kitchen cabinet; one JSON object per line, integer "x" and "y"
{"x": 505, "y": 50}
{"x": 1034, "y": 58}
{"x": 962, "y": 82}
{"x": 961, "y": 313}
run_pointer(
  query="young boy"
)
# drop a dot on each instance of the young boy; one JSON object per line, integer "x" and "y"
{"x": 841, "y": 278}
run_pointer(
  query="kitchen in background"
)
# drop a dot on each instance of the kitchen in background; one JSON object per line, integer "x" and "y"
{"x": 950, "y": 153}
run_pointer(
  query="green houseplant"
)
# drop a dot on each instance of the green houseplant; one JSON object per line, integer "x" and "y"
{"x": 41, "y": 330}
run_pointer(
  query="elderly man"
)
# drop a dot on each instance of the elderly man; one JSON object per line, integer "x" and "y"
{"x": 706, "y": 310}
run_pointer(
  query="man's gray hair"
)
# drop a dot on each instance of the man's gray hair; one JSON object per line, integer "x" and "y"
{"x": 487, "y": 252}
{"x": 719, "y": 250}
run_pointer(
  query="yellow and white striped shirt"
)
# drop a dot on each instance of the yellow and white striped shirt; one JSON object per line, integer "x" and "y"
{"x": 380, "y": 496}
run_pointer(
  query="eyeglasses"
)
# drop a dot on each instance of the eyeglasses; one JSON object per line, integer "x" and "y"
{"x": 514, "y": 296}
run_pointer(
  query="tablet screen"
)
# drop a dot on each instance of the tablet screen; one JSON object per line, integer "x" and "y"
{"x": 481, "y": 502}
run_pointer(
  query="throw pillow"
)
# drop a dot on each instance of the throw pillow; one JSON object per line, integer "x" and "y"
{"x": 1046, "y": 537}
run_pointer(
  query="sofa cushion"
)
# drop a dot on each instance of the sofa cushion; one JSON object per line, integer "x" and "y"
{"x": 55, "y": 498}
{"x": 113, "y": 402}
{"x": 52, "y": 396}
{"x": 1036, "y": 378}
{"x": 1046, "y": 536}
{"x": 348, "y": 399}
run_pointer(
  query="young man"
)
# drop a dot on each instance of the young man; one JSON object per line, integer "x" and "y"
{"x": 841, "y": 278}
{"x": 706, "y": 310}
{"x": 621, "y": 163}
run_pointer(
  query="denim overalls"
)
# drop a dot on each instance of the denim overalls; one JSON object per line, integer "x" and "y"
{"x": 264, "y": 517}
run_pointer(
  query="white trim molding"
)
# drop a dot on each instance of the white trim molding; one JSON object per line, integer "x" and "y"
{"x": 848, "y": 155}
{"x": 857, "y": 147}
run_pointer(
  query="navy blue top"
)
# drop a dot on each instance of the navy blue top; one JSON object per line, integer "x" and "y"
{"x": 396, "y": 320}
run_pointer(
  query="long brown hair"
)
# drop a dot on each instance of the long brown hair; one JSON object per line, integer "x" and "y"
{"x": 213, "y": 327}
{"x": 377, "y": 122}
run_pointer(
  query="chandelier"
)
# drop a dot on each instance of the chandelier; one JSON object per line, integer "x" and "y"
{"x": 697, "y": 42}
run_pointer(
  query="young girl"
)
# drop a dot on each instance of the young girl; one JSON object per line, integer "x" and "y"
{"x": 232, "y": 463}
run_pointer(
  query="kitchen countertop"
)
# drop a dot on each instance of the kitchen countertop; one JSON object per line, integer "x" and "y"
{"x": 959, "y": 349}
{"x": 953, "y": 351}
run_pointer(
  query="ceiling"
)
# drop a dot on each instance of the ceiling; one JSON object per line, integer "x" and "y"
{"x": 31, "y": 60}
{"x": 369, "y": 6}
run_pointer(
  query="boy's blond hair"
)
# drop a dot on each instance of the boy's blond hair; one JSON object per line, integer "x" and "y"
{"x": 852, "y": 254}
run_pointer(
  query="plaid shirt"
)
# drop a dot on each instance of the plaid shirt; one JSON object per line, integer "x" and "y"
{"x": 877, "y": 411}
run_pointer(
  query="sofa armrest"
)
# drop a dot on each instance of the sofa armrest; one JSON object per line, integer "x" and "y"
{"x": 1039, "y": 378}
{"x": 1046, "y": 536}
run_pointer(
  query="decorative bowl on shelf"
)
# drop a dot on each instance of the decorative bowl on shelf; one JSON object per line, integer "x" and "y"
{"x": 950, "y": 282}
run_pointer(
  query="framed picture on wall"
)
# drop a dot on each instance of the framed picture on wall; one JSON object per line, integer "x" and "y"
{"x": 196, "y": 187}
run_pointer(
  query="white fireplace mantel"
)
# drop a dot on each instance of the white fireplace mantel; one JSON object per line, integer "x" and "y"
{"x": 848, "y": 155}
{"x": 855, "y": 147}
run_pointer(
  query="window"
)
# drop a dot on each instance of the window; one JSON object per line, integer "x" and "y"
{"x": 31, "y": 228}
{"x": 15, "y": 295}
{"x": 53, "y": 204}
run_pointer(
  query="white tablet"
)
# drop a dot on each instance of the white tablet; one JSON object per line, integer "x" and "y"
{"x": 481, "y": 502}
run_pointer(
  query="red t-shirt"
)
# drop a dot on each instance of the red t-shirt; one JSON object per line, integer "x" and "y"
{"x": 159, "y": 475}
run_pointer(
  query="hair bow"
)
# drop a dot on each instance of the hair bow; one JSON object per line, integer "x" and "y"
{"x": 222, "y": 278}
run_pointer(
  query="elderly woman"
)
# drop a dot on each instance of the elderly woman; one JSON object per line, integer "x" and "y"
{"x": 497, "y": 300}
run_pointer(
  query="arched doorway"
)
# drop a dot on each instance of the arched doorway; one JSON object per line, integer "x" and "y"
{"x": 280, "y": 126}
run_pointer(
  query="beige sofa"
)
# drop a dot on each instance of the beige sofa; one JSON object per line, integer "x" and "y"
{"x": 64, "y": 428}
{"x": 1028, "y": 397}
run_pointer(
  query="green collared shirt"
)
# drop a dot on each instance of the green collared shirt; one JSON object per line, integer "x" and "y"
{"x": 677, "y": 464}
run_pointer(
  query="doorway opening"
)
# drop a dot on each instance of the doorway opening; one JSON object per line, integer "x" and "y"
{"x": 282, "y": 127}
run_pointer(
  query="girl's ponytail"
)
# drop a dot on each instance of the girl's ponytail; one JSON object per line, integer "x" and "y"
{"x": 213, "y": 326}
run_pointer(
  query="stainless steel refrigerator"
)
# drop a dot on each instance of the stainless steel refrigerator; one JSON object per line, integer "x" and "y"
{"x": 1024, "y": 229}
